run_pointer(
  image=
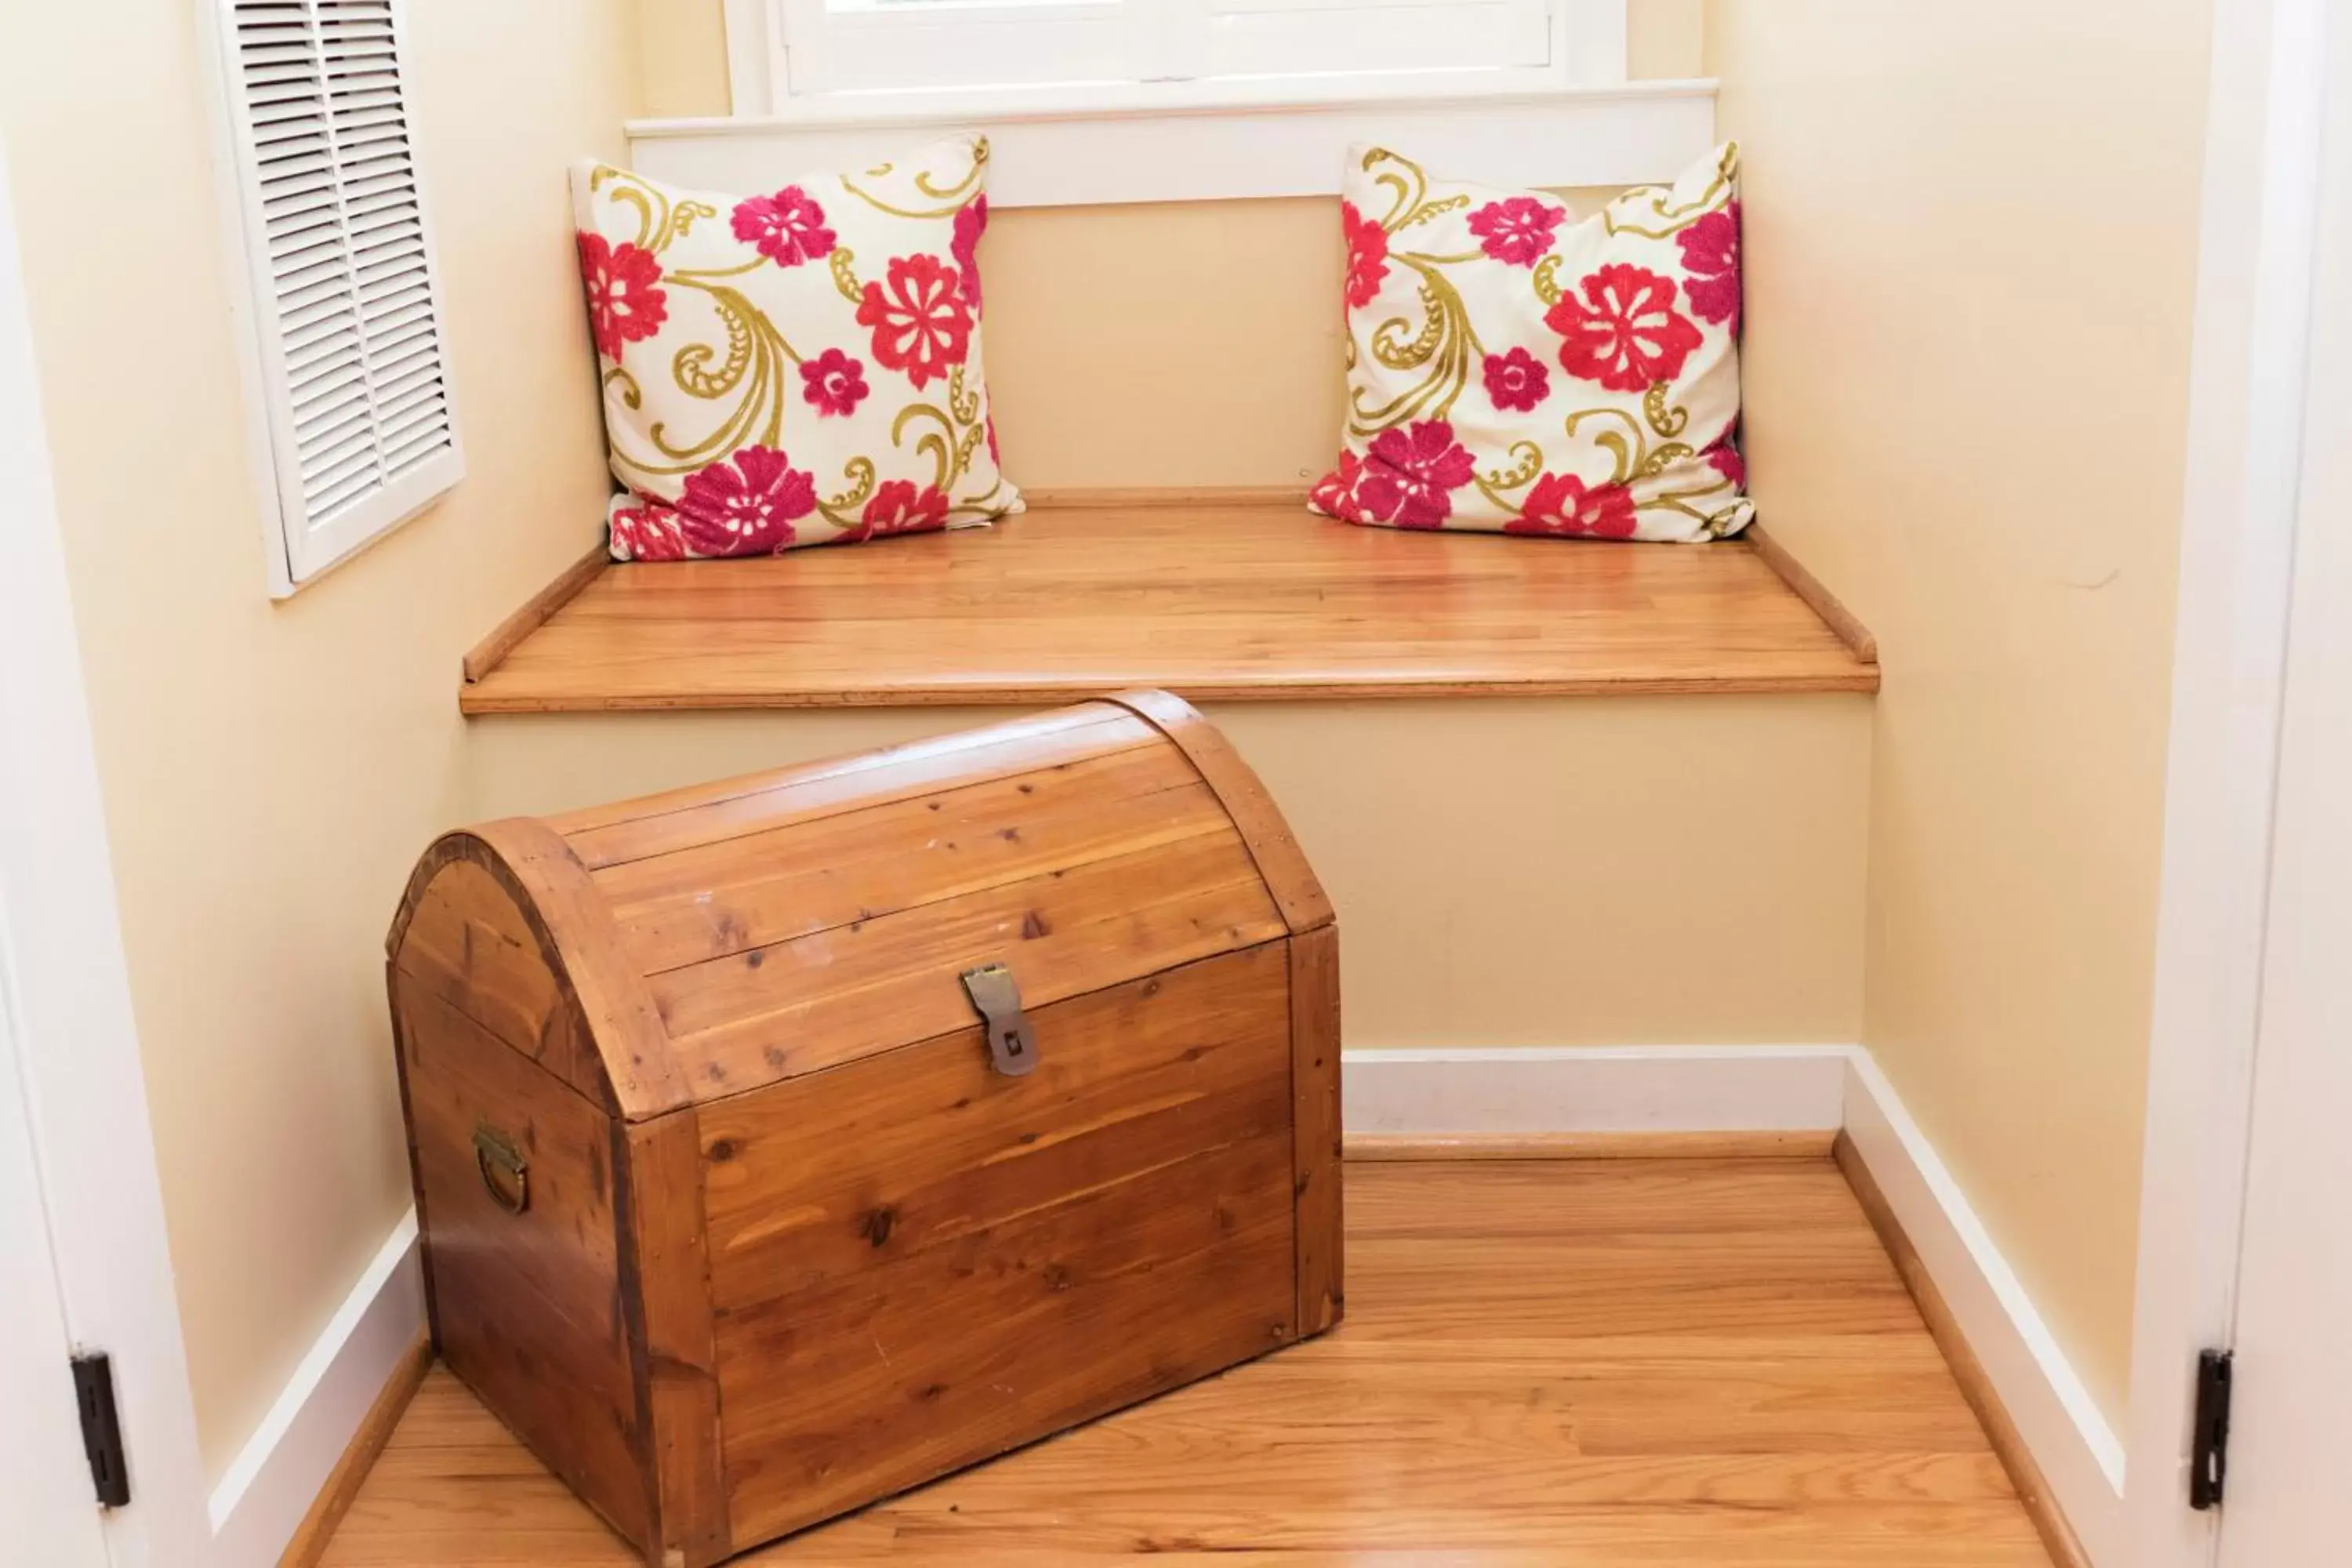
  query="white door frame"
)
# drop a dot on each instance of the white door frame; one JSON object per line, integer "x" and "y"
{"x": 44, "y": 1489}
{"x": 2271, "y": 78}
{"x": 77, "y": 1051}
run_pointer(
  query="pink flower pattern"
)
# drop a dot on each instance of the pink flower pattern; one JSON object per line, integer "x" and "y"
{"x": 746, "y": 507}
{"x": 833, "y": 383}
{"x": 1711, "y": 258}
{"x": 1624, "y": 332}
{"x": 1368, "y": 255}
{"x": 788, "y": 228}
{"x": 1724, "y": 460}
{"x": 970, "y": 223}
{"x": 1335, "y": 494}
{"x": 1516, "y": 381}
{"x": 920, "y": 323}
{"x": 1410, "y": 475}
{"x": 1562, "y": 504}
{"x": 898, "y": 507}
{"x": 625, "y": 302}
{"x": 649, "y": 532}
{"x": 1517, "y": 229}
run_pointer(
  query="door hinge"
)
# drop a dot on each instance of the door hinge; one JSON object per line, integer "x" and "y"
{"x": 2209, "y": 1444}
{"x": 101, "y": 1429}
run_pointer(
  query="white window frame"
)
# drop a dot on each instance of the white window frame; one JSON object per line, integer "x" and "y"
{"x": 1577, "y": 122}
{"x": 1586, "y": 51}
{"x": 296, "y": 552}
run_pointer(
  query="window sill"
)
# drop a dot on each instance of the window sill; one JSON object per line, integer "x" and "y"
{"x": 1091, "y": 146}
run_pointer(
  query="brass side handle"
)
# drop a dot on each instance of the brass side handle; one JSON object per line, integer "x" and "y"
{"x": 505, "y": 1172}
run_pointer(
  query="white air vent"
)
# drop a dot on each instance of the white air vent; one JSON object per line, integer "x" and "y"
{"x": 354, "y": 361}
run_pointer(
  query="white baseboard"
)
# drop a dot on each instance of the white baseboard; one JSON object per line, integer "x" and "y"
{"x": 1534, "y": 1089}
{"x": 1595, "y": 1089}
{"x": 261, "y": 1500}
{"x": 2079, "y": 1454}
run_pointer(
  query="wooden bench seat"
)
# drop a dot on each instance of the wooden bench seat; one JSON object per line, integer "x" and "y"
{"x": 1225, "y": 598}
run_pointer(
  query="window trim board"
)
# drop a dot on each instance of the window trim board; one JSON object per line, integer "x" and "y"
{"x": 1076, "y": 152}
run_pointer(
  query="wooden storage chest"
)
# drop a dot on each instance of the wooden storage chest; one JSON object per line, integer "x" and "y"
{"x": 739, "y": 1214}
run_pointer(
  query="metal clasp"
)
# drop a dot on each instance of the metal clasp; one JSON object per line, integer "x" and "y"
{"x": 1012, "y": 1043}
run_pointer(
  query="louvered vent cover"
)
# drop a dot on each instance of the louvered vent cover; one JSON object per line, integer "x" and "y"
{"x": 352, "y": 350}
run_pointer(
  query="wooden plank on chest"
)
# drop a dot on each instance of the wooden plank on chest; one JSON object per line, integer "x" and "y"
{"x": 741, "y": 893}
{"x": 469, "y": 945}
{"x": 829, "y": 1175}
{"x": 1056, "y": 1317}
{"x": 526, "y": 1305}
{"x": 815, "y": 1002}
{"x": 1315, "y": 1121}
{"x": 756, "y": 805}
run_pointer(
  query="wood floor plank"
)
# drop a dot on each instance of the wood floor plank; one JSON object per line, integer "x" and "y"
{"x": 1706, "y": 1362}
{"x": 1214, "y": 601}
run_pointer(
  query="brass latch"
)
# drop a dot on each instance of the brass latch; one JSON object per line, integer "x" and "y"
{"x": 1012, "y": 1043}
{"x": 505, "y": 1171}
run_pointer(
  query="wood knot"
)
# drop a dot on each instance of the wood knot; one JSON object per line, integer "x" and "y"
{"x": 722, "y": 1151}
{"x": 1033, "y": 926}
{"x": 878, "y": 1223}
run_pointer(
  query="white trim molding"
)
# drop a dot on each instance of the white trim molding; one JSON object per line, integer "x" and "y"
{"x": 76, "y": 1043}
{"x": 260, "y": 1501}
{"x": 1066, "y": 148}
{"x": 1594, "y": 1089}
{"x": 2248, "y": 356}
{"x": 2078, "y": 1453}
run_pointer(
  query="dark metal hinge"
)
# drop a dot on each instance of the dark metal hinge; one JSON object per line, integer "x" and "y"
{"x": 101, "y": 1429}
{"x": 2208, "y": 1445}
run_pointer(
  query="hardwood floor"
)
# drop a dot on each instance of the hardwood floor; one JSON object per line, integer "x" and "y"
{"x": 1213, "y": 600}
{"x": 1590, "y": 1362}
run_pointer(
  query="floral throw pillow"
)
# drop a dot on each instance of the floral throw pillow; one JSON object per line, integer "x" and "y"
{"x": 800, "y": 366}
{"x": 1511, "y": 371}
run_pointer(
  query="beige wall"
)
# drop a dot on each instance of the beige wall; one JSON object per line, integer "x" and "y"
{"x": 271, "y": 771}
{"x": 1966, "y": 371}
{"x": 1509, "y": 872}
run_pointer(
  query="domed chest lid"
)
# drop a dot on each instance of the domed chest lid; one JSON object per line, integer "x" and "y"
{"x": 732, "y": 935}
